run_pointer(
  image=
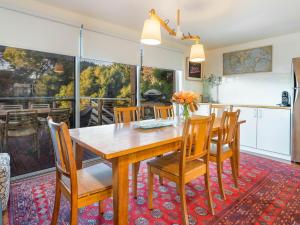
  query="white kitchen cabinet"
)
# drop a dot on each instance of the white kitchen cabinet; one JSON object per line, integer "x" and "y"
{"x": 248, "y": 129}
{"x": 273, "y": 130}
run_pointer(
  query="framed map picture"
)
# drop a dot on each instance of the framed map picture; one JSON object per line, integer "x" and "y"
{"x": 194, "y": 71}
{"x": 253, "y": 60}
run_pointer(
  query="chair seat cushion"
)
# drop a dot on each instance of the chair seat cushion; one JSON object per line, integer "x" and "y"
{"x": 21, "y": 132}
{"x": 213, "y": 148}
{"x": 170, "y": 164}
{"x": 92, "y": 179}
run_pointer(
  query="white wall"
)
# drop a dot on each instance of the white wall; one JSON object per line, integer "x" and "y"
{"x": 189, "y": 85}
{"x": 34, "y": 25}
{"x": 256, "y": 88}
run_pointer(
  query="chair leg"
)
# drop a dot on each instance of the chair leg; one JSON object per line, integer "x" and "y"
{"x": 185, "y": 218}
{"x": 5, "y": 144}
{"x": 135, "y": 171}
{"x": 219, "y": 171}
{"x": 222, "y": 167}
{"x": 101, "y": 208}
{"x": 207, "y": 185}
{"x": 36, "y": 146}
{"x": 56, "y": 203}
{"x": 161, "y": 180}
{"x": 234, "y": 171}
{"x": 74, "y": 211}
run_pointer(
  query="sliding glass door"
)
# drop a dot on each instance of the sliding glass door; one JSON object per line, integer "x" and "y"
{"x": 32, "y": 80}
{"x": 44, "y": 82}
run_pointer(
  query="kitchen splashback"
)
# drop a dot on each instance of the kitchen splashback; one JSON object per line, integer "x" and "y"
{"x": 261, "y": 88}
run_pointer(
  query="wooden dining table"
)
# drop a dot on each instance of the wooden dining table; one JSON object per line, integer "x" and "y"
{"x": 124, "y": 144}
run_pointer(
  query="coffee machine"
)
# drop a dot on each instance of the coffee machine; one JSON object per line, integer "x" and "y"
{"x": 285, "y": 99}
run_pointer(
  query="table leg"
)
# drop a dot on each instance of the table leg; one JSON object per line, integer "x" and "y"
{"x": 237, "y": 149}
{"x": 120, "y": 190}
{"x": 79, "y": 156}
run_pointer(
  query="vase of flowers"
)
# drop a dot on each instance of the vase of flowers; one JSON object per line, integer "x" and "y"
{"x": 188, "y": 101}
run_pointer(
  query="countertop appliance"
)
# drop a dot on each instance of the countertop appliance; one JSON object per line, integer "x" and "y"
{"x": 296, "y": 111}
{"x": 285, "y": 99}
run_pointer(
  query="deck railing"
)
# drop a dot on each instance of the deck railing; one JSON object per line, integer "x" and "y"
{"x": 102, "y": 108}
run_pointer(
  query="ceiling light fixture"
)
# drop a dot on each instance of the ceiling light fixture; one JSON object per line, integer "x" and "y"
{"x": 151, "y": 35}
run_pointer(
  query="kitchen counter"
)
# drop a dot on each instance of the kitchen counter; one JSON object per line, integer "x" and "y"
{"x": 264, "y": 106}
{"x": 254, "y": 106}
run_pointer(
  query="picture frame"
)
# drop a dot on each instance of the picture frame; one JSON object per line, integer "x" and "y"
{"x": 194, "y": 71}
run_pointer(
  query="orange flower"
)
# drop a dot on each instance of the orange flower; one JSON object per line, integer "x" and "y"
{"x": 186, "y": 98}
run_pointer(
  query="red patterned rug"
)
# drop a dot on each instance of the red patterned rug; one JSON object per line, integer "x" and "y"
{"x": 269, "y": 193}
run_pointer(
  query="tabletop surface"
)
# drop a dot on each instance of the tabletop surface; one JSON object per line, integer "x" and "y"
{"x": 39, "y": 111}
{"x": 110, "y": 141}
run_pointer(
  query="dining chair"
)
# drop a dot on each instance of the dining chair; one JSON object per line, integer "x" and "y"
{"x": 60, "y": 115}
{"x": 223, "y": 146}
{"x": 11, "y": 107}
{"x": 191, "y": 162}
{"x": 21, "y": 123}
{"x": 218, "y": 109}
{"x": 126, "y": 114}
{"x": 164, "y": 112}
{"x": 81, "y": 187}
{"x": 142, "y": 112}
{"x": 40, "y": 106}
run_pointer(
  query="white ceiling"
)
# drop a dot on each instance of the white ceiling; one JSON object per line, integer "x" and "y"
{"x": 218, "y": 22}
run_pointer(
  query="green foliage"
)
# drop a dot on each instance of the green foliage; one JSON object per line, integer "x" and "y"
{"x": 37, "y": 69}
{"x": 106, "y": 81}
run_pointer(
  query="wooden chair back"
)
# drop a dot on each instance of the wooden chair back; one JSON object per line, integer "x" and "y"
{"x": 40, "y": 106}
{"x": 228, "y": 127}
{"x": 219, "y": 109}
{"x": 60, "y": 115}
{"x": 142, "y": 112}
{"x": 126, "y": 114}
{"x": 12, "y": 107}
{"x": 20, "y": 120}
{"x": 164, "y": 112}
{"x": 196, "y": 138}
{"x": 63, "y": 151}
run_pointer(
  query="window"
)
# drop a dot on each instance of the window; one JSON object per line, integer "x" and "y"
{"x": 103, "y": 86}
{"x": 157, "y": 87}
{"x": 31, "y": 77}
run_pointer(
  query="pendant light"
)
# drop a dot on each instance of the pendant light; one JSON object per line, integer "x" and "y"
{"x": 151, "y": 32}
{"x": 197, "y": 54}
{"x": 151, "y": 35}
